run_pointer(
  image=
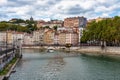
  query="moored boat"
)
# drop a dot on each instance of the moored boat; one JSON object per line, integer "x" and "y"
{"x": 50, "y": 49}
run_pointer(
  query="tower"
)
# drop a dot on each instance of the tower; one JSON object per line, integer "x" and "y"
{"x": 31, "y": 19}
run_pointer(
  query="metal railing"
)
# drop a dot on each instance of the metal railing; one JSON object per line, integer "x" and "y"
{"x": 8, "y": 50}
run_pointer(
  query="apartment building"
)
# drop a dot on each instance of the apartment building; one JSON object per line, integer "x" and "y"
{"x": 28, "y": 39}
{"x": 51, "y": 24}
{"x": 38, "y": 36}
{"x": 49, "y": 37}
{"x": 71, "y": 38}
{"x": 75, "y": 22}
{"x": 2, "y": 38}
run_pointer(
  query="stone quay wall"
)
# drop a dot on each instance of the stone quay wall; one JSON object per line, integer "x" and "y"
{"x": 97, "y": 50}
{"x": 86, "y": 49}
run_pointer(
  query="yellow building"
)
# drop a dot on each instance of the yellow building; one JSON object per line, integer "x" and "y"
{"x": 99, "y": 19}
{"x": 9, "y": 37}
{"x": 62, "y": 38}
{"x": 49, "y": 37}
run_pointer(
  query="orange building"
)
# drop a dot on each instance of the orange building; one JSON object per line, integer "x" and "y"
{"x": 40, "y": 23}
{"x": 9, "y": 37}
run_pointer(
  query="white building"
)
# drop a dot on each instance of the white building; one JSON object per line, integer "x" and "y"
{"x": 80, "y": 33}
{"x": 56, "y": 38}
{"x": 23, "y": 24}
{"x": 28, "y": 39}
{"x": 38, "y": 36}
{"x": 18, "y": 36}
{"x": 2, "y": 38}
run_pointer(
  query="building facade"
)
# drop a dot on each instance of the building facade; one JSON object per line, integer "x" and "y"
{"x": 18, "y": 36}
{"x": 71, "y": 38}
{"x": 9, "y": 37}
{"x": 38, "y": 36}
{"x": 51, "y": 24}
{"x": 28, "y": 39}
{"x": 2, "y": 38}
{"x": 49, "y": 37}
{"x": 56, "y": 38}
{"x": 62, "y": 38}
{"x": 75, "y": 22}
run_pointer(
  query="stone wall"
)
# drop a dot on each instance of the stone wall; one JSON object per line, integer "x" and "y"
{"x": 98, "y": 50}
{"x": 89, "y": 49}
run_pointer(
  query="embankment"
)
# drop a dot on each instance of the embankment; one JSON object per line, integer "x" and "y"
{"x": 97, "y": 50}
{"x": 87, "y": 49}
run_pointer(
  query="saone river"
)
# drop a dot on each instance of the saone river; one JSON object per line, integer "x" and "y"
{"x": 37, "y": 65}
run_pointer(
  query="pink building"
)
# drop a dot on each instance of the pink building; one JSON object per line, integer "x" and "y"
{"x": 68, "y": 37}
{"x": 71, "y": 38}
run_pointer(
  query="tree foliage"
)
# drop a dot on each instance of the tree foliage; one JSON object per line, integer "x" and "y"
{"x": 105, "y": 30}
{"x": 31, "y": 26}
{"x": 55, "y": 28}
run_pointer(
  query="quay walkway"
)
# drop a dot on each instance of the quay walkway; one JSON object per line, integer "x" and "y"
{"x": 1, "y": 77}
{"x": 5, "y": 57}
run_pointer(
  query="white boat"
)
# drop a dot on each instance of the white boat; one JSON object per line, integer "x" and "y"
{"x": 50, "y": 49}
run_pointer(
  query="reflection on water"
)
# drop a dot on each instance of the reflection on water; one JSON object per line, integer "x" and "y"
{"x": 54, "y": 67}
{"x": 56, "y": 63}
{"x": 37, "y": 65}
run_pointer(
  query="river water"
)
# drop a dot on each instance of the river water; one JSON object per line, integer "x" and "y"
{"x": 36, "y": 65}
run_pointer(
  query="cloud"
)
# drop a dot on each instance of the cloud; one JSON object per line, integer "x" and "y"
{"x": 3, "y": 2}
{"x": 58, "y": 9}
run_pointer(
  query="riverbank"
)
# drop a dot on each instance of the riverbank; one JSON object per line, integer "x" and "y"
{"x": 36, "y": 65}
{"x": 8, "y": 69}
{"x": 97, "y": 50}
{"x": 90, "y": 50}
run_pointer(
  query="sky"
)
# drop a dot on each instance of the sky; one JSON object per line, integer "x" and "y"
{"x": 58, "y": 9}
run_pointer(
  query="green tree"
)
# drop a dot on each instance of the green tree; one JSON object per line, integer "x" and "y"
{"x": 107, "y": 30}
{"x": 55, "y": 28}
